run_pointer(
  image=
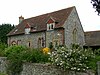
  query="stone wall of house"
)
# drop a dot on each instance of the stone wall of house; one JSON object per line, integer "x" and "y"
{"x": 73, "y": 24}
{"x": 3, "y": 64}
{"x": 55, "y": 36}
{"x": 27, "y": 39}
{"x": 47, "y": 69}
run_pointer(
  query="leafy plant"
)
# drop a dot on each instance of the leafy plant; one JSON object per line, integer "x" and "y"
{"x": 17, "y": 55}
{"x": 35, "y": 56}
{"x": 2, "y": 48}
{"x": 74, "y": 58}
{"x": 50, "y": 45}
{"x": 97, "y": 52}
{"x": 93, "y": 62}
{"x": 3, "y": 73}
{"x": 14, "y": 55}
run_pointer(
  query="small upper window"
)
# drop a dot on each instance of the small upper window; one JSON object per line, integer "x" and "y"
{"x": 50, "y": 26}
{"x": 15, "y": 30}
{"x": 27, "y": 28}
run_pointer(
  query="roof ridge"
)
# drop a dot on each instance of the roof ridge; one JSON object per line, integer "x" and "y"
{"x": 51, "y": 12}
{"x": 93, "y": 31}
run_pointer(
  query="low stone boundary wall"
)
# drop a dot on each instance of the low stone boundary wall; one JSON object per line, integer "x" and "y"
{"x": 3, "y": 64}
{"x": 98, "y": 68}
{"x": 43, "y": 69}
{"x": 47, "y": 69}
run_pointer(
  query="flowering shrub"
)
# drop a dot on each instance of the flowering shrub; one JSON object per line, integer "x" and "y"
{"x": 71, "y": 58}
{"x": 46, "y": 50}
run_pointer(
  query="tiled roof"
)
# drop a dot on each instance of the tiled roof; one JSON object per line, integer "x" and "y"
{"x": 27, "y": 25}
{"x": 92, "y": 38}
{"x": 39, "y": 22}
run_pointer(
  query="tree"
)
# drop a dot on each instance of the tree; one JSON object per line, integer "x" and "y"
{"x": 4, "y": 30}
{"x": 96, "y": 5}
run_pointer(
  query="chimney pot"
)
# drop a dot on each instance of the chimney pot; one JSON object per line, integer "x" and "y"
{"x": 21, "y": 19}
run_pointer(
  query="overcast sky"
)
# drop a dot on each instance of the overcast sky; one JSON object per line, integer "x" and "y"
{"x": 10, "y": 10}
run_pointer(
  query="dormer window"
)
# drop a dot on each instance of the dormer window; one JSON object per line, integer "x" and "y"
{"x": 15, "y": 30}
{"x": 50, "y": 24}
{"x": 27, "y": 29}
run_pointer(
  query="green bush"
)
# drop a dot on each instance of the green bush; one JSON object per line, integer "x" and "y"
{"x": 97, "y": 52}
{"x": 3, "y": 73}
{"x": 74, "y": 58}
{"x": 14, "y": 55}
{"x": 93, "y": 62}
{"x": 17, "y": 55}
{"x": 35, "y": 56}
{"x": 2, "y": 48}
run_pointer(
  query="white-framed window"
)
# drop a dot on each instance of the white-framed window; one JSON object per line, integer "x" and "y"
{"x": 27, "y": 30}
{"x": 50, "y": 26}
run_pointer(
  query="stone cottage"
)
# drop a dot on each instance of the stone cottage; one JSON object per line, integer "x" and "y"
{"x": 62, "y": 27}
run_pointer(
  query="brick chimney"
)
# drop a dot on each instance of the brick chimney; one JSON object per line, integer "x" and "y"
{"x": 21, "y": 19}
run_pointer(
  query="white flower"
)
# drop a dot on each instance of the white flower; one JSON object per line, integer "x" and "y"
{"x": 87, "y": 67}
{"x": 56, "y": 60}
{"x": 49, "y": 53}
{"x": 62, "y": 48}
{"x": 78, "y": 69}
{"x": 61, "y": 63}
{"x": 65, "y": 56}
{"x": 74, "y": 68}
{"x": 80, "y": 64}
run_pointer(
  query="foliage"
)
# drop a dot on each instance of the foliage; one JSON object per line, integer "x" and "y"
{"x": 14, "y": 55}
{"x": 2, "y": 48}
{"x": 17, "y": 55}
{"x": 35, "y": 56}
{"x": 97, "y": 52}
{"x": 3, "y": 73}
{"x": 75, "y": 58}
{"x": 4, "y": 30}
{"x": 50, "y": 45}
{"x": 93, "y": 62}
{"x": 96, "y": 5}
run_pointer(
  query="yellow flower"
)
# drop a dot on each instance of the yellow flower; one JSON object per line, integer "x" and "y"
{"x": 46, "y": 50}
